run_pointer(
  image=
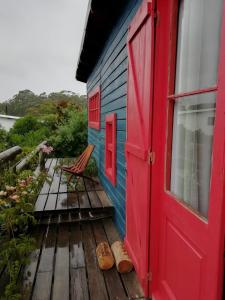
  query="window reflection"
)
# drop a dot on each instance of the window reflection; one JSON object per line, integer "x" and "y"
{"x": 198, "y": 44}
{"x": 192, "y": 149}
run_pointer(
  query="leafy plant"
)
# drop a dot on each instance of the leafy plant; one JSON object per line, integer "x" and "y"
{"x": 70, "y": 139}
{"x": 3, "y": 140}
{"x": 25, "y": 125}
{"x": 91, "y": 169}
{"x": 16, "y": 215}
{"x": 7, "y": 177}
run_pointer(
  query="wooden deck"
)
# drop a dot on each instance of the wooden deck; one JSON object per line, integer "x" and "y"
{"x": 64, "y": 265}
{"x": 70, "y": 225}
{"x": 59, "y": 202}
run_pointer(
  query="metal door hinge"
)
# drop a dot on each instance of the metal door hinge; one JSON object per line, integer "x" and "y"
{"x": 151, "y": 157}
{"x": 149, "y": 276}
{"x": 156, "y": 18}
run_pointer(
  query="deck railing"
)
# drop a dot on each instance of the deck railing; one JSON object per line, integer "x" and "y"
{"x": 8, "y": 158}
{"x": 26, "y": 160}
{"x": 9, "y": 155}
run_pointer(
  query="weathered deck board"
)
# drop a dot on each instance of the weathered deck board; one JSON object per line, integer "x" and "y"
{"x": 50, "y": 171}
{"x": 112, "y": 277}
{"x": 61, "y": 275}
{"x": 42, "y": 289}
{"x": 61, "y": 201}
{"x": 72, "y": 200}
{"x": 30, "y": 270}
{"x": 84, "y": 200}
{"x": 96, "y": 281}
{"x": 130, "y": 281}
{"x": 89, "y": 184}
{"x": 51, "y": 202}
{"x": 57, "y": 197}
{"x": 79, "y": 288}
{"x": 97, "y": 185}
{"x": 54, "y": 188}
{"x": 40, "y": 203}
{"x": 65, "y": 265}
{"x": 48, "y": 250}
{"x": 77, "y": 259}
{"x": 94, "y": 199}
{"x": 43, "y": 283}
{"x": 63, "y": 183}
{"x": 104, "y": 198}
{"x": 48, "y": 163}
{"x": 52, "y": 167}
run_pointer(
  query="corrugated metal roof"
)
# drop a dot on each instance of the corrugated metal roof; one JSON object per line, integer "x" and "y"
{"x": 9, "y": 117}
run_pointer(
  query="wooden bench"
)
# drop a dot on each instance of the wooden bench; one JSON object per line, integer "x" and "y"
{"x": 79, "y": 166}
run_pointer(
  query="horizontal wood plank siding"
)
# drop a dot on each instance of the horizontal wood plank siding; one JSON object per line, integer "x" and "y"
{"x": 110, "y": 73}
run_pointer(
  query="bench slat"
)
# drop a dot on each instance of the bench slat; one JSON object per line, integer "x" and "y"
{"x": 81, "y": 163}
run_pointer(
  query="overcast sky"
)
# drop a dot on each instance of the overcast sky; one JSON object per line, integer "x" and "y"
{"x": 39, "y": 45}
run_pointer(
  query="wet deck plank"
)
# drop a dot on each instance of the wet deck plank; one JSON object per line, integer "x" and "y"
{"x": 40, "y": 203}
{"x": 61, "y": 272}
{"x": 96, "y": 282}
{"x": 133, "y": 289}
{"x": 112, "y": 277}
{"x": 31, "y": 269}
{"x": 61, "y": 201}
{"x": 54, "y": 188}
{"x": 50, "y": 167}
{"x": 79, "y": 288}
{"x": 43, "y": 282}
{"x": 51, "y": 202}
{"x": 58, "y": 197}
{"x": 77, "y": 258}
{"x": 66, "y": 265}
{"x": 72, "y": 200}
{"x": 94, "y": 199}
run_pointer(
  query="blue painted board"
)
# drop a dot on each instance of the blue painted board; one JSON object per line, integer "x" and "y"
{"x": 110, "y": 73}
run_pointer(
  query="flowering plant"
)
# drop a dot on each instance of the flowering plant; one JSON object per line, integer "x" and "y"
{"x": 16, "y": 214}
{"x": 46, "y": 149}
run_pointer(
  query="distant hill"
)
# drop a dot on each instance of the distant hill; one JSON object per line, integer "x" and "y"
{"x": 26, "y": 102}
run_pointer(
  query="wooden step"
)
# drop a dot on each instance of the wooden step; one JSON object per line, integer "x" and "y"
{"x": 73, "y": 217}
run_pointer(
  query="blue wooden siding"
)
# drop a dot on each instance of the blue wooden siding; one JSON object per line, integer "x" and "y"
{"x": 110, "y": 73}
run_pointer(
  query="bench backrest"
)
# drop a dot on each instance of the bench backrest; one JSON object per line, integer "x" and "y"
{"x": 83, "y": 160}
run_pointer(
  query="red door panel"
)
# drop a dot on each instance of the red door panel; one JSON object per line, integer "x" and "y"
{"x": 187, "y": 247}
{"x": 139, "y": 102}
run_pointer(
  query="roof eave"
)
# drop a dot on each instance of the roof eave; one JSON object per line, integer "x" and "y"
{"x": 101, "y": 16}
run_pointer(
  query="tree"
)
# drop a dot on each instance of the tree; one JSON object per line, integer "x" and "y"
{"x": 26, "y": 102}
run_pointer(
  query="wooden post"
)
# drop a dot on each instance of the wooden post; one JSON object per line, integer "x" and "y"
{"x": 24, "y": 162}
{"x": 41, "y": 161}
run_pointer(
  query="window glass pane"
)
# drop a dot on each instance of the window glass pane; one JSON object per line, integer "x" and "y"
{"x": 198, "y": 44}
{"x": 192, "y": 149}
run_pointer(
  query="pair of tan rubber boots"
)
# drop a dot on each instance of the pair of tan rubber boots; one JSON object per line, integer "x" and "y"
{"x": 116, "y": 254}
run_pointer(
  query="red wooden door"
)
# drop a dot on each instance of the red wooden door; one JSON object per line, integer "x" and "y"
{"x": 138, "y": 144}
{"x": 188, "y": 174}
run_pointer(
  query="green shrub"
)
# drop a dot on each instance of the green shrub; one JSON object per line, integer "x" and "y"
{"x": 28, "y": 132}
{"x": 66, "y": 130}
{"x": 70, "y": 139}
{"x": 91, "y": 169}
{"x": 26, "y": 124}
{"x": 49, "y": 121}
{"x": 16, "y": 215}
{"x": 3, "y": 140}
